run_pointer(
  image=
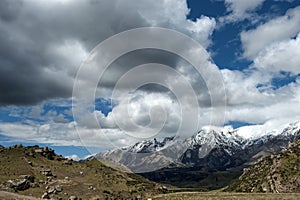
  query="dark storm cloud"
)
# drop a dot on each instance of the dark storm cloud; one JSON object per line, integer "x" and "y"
{"x": 27, "y": 30}
{"x": 9, "y": 9}
{"x": 135, "y": 58}
{"x": 34, "y": 35}
{"x": 139, "y": 57}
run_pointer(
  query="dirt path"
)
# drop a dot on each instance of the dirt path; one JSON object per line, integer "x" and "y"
{"x": 227, "y": 196}
{"x": 14, "y": 196}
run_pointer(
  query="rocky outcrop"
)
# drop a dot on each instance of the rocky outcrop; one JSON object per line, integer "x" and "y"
{"x": 20, "y": 184}
{"x": 277, "y": 173}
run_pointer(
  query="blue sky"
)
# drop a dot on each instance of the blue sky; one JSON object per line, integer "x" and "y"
{"x": 253, "y": 44}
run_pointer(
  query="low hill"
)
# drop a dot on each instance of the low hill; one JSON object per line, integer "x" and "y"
{"x": 279, "y": 173}
{"x": 39, "y": 172}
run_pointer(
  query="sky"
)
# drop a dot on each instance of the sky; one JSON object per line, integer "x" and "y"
{"x": 250, "y": 70}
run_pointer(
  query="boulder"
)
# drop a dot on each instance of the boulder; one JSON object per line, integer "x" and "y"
{"x": 73, "y": 198}
{"x": 46, "y": 172}
{"x": 45, "y": 196}
{"x": 22, "y": 183}
{"x": 18, "y": 185}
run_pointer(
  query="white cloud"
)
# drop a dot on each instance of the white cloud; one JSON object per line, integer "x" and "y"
{"x": 73, "y": 157}
{"x": 276, "y": 30}
{"x": 273, "y": 127}
{"x": 281, "y": 56}
{"x": 240, "y": 9}
{"x": 269, "y": 45}
{"x": 172, "y": 14}
{"x": 247, "y": 103}
{"x": 54, "y": 44}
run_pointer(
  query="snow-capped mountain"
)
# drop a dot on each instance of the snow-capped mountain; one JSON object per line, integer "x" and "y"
{"x": 211, "y": 148}
{"x": 149, "y": 146}
{"x": 146, "y": 155}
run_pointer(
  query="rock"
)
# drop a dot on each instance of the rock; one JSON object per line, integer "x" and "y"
{"x": 73, "y": 198}
{"x": 46, "y": 152}
{"x": 30, "y": 163}
{"x": 68, "y": 162}
{"x": 51, "y": 190}
{"x": 38, "y": 150}
{"x": 46, "y": 172}
{"x": 49, "y": 179}
{"x": 30, "y": 153}
{"x": 18, "y": 185}
{"x": 59, "y": 158}
{"x": 28, "y": 177}
{"x": 21, "y": 184}
{"x": 18, "y": 146}
{"x": 45, "y": 196}
{"x": 163, "y": 189}
{"x": 58, "y": 188}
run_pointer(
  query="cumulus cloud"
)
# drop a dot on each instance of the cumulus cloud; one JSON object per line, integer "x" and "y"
{"x": 247, "y": 103}
{"x": 240, "y": 10}
{"x": 273, "y": 31}
{"x": 42, "y": 47}
{"x": 280, "y": 56}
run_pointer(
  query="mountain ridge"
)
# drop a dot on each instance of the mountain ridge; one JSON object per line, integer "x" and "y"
{"x": 205, "y": 142}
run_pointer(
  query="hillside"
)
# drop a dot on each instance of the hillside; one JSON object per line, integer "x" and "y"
{"x": 279, "y": 173}
{"x": 39, "y": 172}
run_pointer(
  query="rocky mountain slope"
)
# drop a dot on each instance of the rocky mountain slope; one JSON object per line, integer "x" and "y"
{"x": 211, "y": 148}
{"x": 39, "y": 172}
{"x": 146, "y": 155}
{"x": 211, "y": 158}
{"x": 279, "y": 173}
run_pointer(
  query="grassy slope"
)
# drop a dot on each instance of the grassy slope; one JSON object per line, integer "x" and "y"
{"x": 277, "y": 173}
{"x": 106, "y": 181}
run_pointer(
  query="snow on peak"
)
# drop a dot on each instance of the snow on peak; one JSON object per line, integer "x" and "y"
{"x": 212, "y": 136}
{"x": 269, "y": 128}
{"x": 292, "y": 129}
{"x": 148, "y": 146}
{"x": 217, "y": 129}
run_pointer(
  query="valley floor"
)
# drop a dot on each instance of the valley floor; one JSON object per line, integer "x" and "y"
{"x": 9, "y": 195}
{"x": 189, "y": 196}
{"x": 227, "y": 196}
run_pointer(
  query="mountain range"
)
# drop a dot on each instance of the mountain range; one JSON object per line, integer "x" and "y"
{"x": 210, "y": 151}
